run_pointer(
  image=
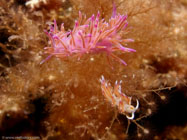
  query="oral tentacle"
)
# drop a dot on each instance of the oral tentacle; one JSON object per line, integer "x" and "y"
{"x": 137, "y": 104}
{"x": 130, "y": 118}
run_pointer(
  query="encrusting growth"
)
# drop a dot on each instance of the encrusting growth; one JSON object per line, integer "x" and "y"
{"x": 118, "y": 99}
{"x": 89, "y": 36}
{"x": 35, "y": 3}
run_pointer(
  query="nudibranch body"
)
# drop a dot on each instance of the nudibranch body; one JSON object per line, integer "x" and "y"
{"x": 118, "y": 99}
{"x": 89, "y": 36}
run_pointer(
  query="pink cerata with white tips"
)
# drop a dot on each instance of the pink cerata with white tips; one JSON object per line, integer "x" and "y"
{"x": 89, "y": 36}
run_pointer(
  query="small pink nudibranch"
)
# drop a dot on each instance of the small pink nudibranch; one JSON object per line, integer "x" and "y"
{"x": 118, "y": 99}
{"x": 89, "y": 36}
